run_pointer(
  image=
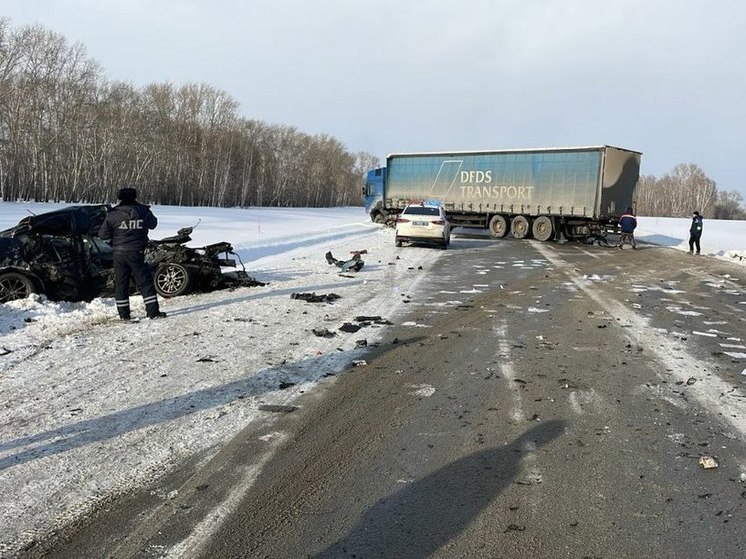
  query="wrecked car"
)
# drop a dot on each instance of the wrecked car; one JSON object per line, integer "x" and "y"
{"x": 179, "y": 269}
{"x": 60, "y": 255}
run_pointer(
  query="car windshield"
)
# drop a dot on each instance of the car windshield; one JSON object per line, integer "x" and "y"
{"x": 422, "y": 210}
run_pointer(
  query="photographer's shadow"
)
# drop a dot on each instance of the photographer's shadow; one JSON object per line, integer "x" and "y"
{"x": 419, "y": 519}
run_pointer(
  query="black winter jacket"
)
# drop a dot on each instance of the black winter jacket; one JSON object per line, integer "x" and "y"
{"x": 695, "y": 230}
{"x": 127, "y": 226}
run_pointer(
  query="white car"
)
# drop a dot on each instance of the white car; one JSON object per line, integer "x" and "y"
{"x": 421, "y": 223}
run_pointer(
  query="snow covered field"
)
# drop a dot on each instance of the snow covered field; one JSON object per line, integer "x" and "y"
{"x": 91, "y": 407}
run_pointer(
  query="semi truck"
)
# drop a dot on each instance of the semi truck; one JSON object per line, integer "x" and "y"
{"x": 545, "y": 193}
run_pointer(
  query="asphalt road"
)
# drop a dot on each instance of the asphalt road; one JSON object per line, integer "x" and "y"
{"x": 538, "y": 400}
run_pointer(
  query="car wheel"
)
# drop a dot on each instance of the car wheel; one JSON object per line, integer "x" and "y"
{"x": 397, "y": 242}
{"x": 15, "y": 286}
{"x": 172, "y": 280}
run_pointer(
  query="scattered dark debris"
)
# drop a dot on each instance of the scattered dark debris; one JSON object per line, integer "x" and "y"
{"x": 364, "y": 251}
{"x": 202, "y": 487}
{"x": 206, "y": 360}
{"x": 323, "y": 333}
{"x": 368, "y": 320}
{"x": 359, "y": 363}
{"x": 285, "y": 385}
{"x": 519, "y": 381}
{"x": 241, "y": 319}
{"x": 361, "y": 343}
{"x": 277, "y": 408}
{"x": 350, "y": 328}
{"x": 354, "y": 264}
{"x": 313, "y": 298}
{"x": 690, "y": 381}
{"x": 28, "y": 320}
{"x": 601, "y": 325}
{"x": 5, "y": 351}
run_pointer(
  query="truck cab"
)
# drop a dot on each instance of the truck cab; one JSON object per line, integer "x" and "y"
{"x": 373, "y": 194}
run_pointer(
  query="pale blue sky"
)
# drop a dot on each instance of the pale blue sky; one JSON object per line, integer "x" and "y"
{"x": 663, "y": 77}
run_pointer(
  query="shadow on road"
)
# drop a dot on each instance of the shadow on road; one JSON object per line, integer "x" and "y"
{"x": 422, "y": 517}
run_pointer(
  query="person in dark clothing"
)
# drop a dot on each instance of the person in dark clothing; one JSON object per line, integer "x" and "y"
{"x": 695, "y": 232}
{"x": 126, "y": 226}
{"x": 628, "y": 224}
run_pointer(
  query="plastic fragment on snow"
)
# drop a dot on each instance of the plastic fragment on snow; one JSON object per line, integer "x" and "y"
{"x": 708, "y": 462}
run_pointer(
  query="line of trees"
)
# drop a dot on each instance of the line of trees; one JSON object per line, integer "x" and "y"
{"x": 68, "y": 134}
{"x": 686, "y": 189}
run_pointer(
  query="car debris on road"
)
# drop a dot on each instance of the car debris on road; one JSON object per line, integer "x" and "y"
{"x": 354, "y": 264}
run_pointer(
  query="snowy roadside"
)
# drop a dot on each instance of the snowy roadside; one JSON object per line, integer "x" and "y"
{"x": 91, "y": 408}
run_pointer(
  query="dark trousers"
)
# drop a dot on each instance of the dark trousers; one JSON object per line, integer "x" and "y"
{"x": 694, "y": 240}
{"x": 627, "y": 237}
{"x": 129, "y": 265}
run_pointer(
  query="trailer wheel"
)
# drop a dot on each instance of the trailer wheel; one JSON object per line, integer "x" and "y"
{"x": 498, "y": 227}
{"x": 519, "y": 227}
{"x": 542, "y": 228}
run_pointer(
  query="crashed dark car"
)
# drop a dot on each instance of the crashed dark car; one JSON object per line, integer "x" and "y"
{"x": 60, "y": 255}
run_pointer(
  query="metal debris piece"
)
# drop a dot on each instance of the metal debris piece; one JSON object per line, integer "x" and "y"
{"x": 359, "y": 362}
{"x": 323, "y": 333}
{"x": 354, "y": 264}
{"x": 313, "y": 298}
{"x": 349, "y": 327}
{"x": 708, "y": 462}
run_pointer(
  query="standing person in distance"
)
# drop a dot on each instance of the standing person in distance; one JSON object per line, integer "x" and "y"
{"x": 628, "y": 224}
{"x": 695, "y": 232}
{"x": 126, "y": 226}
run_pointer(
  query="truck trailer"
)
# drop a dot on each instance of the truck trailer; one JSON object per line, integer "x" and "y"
{"x": 547, "y": 192}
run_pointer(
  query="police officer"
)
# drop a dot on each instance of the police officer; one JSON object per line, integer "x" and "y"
{"x": 695, "y": 232}
{"x": 127, "y": 226}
